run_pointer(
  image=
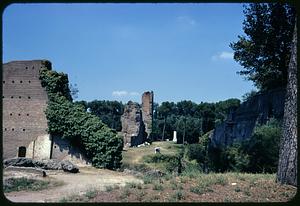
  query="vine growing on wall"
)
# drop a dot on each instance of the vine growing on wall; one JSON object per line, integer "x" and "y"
{"x": 71, "y": 121}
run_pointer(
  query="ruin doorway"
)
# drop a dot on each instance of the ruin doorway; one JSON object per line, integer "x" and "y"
{"x": 22, "y": 151}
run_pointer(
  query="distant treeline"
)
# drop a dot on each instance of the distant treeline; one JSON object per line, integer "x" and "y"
{"x": 189, "y": 119}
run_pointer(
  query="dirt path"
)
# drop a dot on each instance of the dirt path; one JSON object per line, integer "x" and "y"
{"x": 79, "y": 183}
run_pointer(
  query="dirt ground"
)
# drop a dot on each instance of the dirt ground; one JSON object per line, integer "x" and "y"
{"x": 79, "y": 183}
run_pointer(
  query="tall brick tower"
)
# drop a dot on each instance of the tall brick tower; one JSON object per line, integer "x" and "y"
{"x": 24, "y": 102}
{"x": 147, "y": 111}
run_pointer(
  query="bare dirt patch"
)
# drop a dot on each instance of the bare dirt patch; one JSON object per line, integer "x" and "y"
{"x": 78, "y": 183}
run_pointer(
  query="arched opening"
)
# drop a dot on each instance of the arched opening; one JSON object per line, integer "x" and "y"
{"x": 22, "y": 151}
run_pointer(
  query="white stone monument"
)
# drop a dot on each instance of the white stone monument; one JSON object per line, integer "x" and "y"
{"x": 175, "y": 136}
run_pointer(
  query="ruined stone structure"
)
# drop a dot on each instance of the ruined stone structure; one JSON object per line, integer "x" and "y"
{"x": 241, "y": 121}
{"x": 24, "y": 120}
{"x": 147, "y": 111}
{"x": 137, "y": 120}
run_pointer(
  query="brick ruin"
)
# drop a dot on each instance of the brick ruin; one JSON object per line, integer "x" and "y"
{"x": 241, "y": 121}
{"x": 24, "y": 120}
{"x": 137, "y": 120}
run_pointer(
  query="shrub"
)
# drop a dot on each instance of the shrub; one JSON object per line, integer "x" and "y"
{"x": 109, "y": 188}
{"x": 91, "y": 193}
{"x": 157, "y": 186}
{"x": 69, "y": 120}
{"x": 17, "y": 184}
{"x": 179, "y": 195}
{"x": 263, "y": 147}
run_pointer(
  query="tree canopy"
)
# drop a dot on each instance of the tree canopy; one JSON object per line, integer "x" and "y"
{"x": 264, "y": 51}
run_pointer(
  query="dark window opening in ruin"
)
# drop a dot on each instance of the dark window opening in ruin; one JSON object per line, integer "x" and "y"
{"x": 5, "y": 129}
{"x": 10, "y": 114}
{"x": 32, "y": 67}
{"x": 19, "y": 97}
{"x": 12, "y": 97}
{"x": 27, "y": 114}
{"x": 3, "y": 82}
{"x": 55, "y": 146}
{"x": 2, "y": 97}
{"x": 22, "y": 152}
{"x": 29, "y": 97}
{"x": 29, "y": 81}
{"x": 19, "y": 114}
{"x": 12, "y": 81}
{"x": 23, "y": 130}
{"x": 12, "y": 129}
{"x": 21, "y": 82}
{"x": 26, "y": 67}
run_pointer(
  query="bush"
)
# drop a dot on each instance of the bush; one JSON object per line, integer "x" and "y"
{"x": 69, "y": 120}
{"x": 18, "y": 184}
{"x": 263, "y": 147}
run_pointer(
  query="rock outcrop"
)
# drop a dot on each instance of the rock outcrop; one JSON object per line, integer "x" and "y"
{"x": 47, "y": 164}
{"x": 241, "y": 121}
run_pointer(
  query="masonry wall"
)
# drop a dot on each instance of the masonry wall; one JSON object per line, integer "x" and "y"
{"x": 240, "y": 123}
{"x": 147, "y": 111}
{"x": 24, "y": 102}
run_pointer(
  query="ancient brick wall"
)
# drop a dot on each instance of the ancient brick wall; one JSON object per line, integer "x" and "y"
{"x": 133, "y": 128}
{"x": 24, "y": 119}
{"x": 240, "y": 123}
{"x": 24, "y": 102}
{"x": 147, "y": 111}
{"x": 137, "y": 120}
{"x": 62, "y": 149}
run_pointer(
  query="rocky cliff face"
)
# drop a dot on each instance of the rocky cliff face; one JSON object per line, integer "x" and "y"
{"x": 241, "y": 121}
{"x": 133, "y": 128}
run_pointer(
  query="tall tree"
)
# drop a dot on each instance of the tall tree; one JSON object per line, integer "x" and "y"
{"x": 287, "y": 166}
{"x": 265, "y": 50}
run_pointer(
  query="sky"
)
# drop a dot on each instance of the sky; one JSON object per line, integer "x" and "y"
{"x": 118, "y": 51}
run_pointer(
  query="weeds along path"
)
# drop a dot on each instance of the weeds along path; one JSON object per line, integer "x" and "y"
{"x": 79, "y": 183}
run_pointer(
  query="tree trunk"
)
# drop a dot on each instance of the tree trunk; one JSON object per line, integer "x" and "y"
{"x": 287, "y": 165}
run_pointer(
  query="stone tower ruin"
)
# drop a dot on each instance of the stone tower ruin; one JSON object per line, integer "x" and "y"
{"x": 137, "y": 120}
{"x": 147, "y": 111}
{"x": 24, "y": 120}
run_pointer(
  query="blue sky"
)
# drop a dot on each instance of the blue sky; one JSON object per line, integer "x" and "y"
{"x": 118, "y": 51}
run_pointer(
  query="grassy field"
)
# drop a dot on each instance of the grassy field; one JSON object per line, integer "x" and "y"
{"x": 134, "y": 158}
{"x": 227, "y": 187}
{"x": 189, "y": 186}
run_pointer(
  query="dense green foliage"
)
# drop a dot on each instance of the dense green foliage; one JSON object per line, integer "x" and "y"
{"x": 258, "y": 154}
{"x": 108, "y": 111}
{"x": 265, "y": 50}
{"x": 189, "y": 119}
{"x": 70, "y": 120}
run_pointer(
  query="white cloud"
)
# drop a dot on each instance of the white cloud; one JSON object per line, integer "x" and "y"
{"x": 134, "y": 94}
{"x": 223, "y": 55}
{"x": 123, "y": 93}
{"x": 186, "y": 20}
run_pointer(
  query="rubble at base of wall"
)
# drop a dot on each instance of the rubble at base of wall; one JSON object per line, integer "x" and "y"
{"x": 50, "y": 164}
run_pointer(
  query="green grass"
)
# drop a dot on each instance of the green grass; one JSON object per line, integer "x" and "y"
{"x": 158, "y": 186}
{"x": 134, "y": 158}
{"x": 19, "y": 184}
{"x": 91, "y": 193}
